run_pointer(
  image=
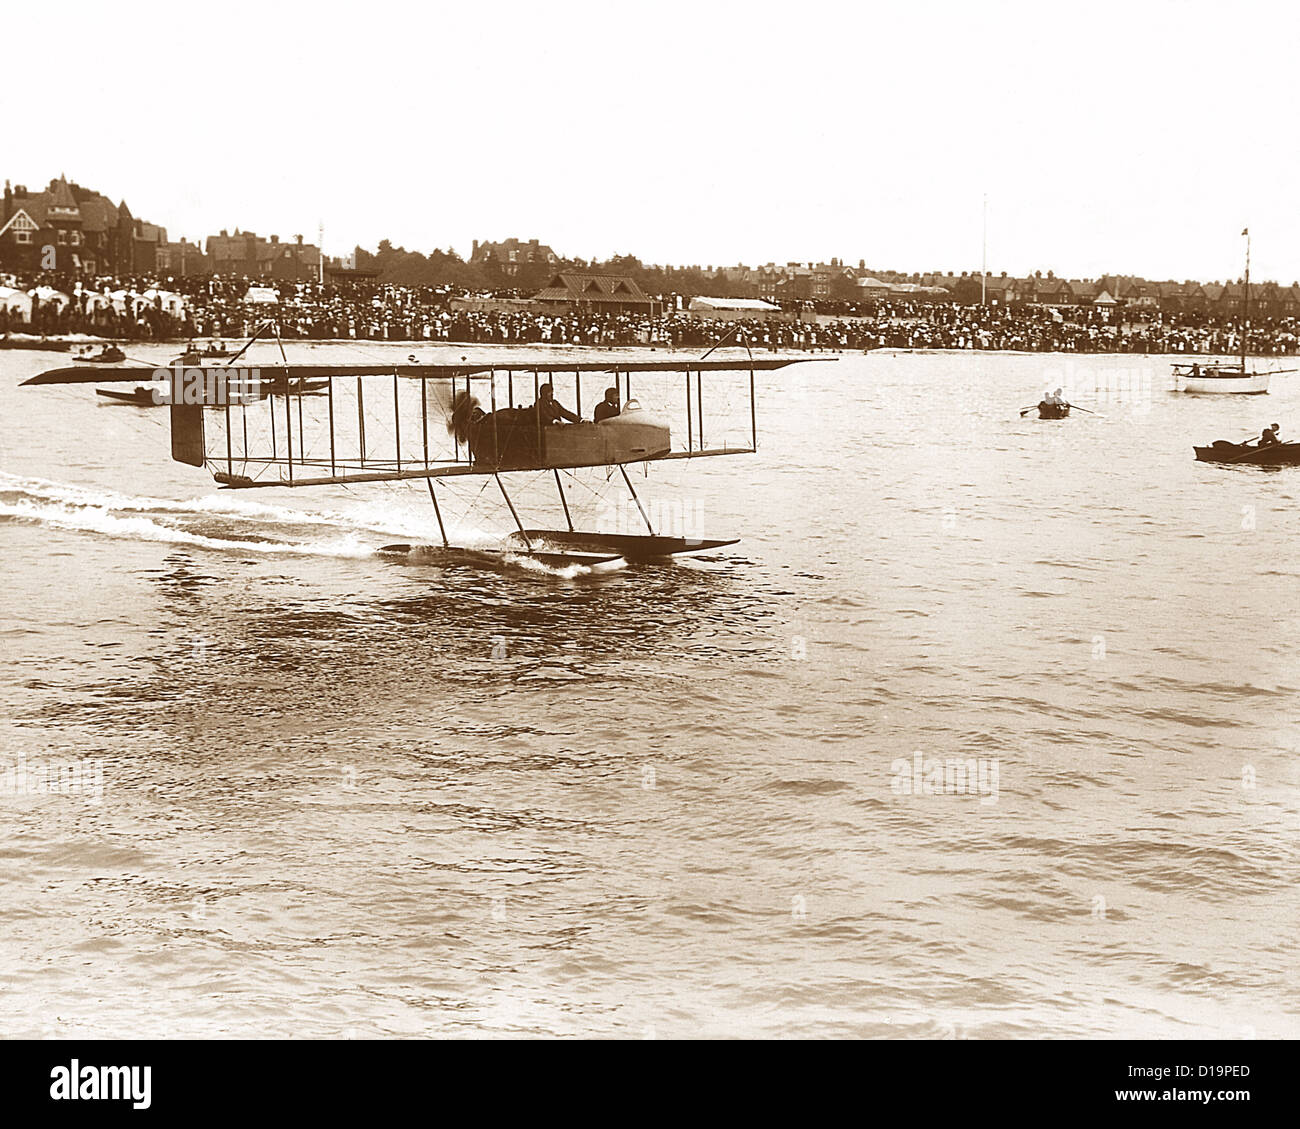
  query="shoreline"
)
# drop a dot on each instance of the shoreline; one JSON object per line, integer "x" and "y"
{"x": 61, "y": 342}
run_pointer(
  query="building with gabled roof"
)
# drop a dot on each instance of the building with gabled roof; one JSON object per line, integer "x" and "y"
{"x": 76, "y": 229}
{"x": 249, "y": 254}
{"x": 1084, "y": 291}
{"x": 511, "y": 255}
{"x": 588, "y": 290}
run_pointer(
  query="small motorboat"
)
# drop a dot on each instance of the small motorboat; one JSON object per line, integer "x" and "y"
{"x": 1052, "y": 411}
{"x": 141, "y": 396}
{"x": 108, "y": 355}
{"x": 1248, "y": 454}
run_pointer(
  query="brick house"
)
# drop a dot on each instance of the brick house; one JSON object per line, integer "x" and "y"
{"x": 249, "y": 254}
{"x": 74, "y": 230}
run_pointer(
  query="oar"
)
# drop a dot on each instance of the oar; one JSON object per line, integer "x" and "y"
{"x": 1238, "y": 458}
{"x": 1079, "y": 409}
{"x": 1031, "y": 407}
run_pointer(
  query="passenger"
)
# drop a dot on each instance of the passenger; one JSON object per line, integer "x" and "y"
{"x": 550, "y": 410}
{"x": 608, "y": 407}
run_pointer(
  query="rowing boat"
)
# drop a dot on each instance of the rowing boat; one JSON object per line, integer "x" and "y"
{"x": 1053, "y": 411}
{"x": 109, "y": 355}
{"x": 1244, "y": 454}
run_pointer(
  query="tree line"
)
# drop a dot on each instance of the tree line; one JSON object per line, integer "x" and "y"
{"x": 400, "y": 267}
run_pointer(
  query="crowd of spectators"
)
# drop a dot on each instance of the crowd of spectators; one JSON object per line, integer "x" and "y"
{"x": 206, "y": 308}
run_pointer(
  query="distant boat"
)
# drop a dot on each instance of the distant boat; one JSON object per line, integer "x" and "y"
{"x": 7, "y": 342}
{"x": 108, "y": 355}
{"x": 1221, "y": 377}
{"x": 141, "y": 396}
{"x": 215, "y": 352}
{"x": 1230, "y": 377}
{"x": 1244, "y": 454}
{"x": 299, "y": 387}
{"x": 1052, "y": 411}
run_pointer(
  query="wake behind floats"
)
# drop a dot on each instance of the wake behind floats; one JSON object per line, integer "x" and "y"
{"x": 306, "y": 425}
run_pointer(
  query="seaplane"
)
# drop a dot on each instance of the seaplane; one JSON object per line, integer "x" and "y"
{"x": 316, "y": 425}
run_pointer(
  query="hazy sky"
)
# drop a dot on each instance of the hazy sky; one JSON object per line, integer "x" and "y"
{"x": 1129, "y": 137}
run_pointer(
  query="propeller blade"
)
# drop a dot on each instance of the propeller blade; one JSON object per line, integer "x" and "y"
{"x": 464, "y": 409}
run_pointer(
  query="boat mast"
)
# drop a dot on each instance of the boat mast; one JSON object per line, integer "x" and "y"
{"x": 1245, "y": 302}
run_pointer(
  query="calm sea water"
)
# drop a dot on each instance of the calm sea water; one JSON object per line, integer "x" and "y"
{"x": 326, "y": 793}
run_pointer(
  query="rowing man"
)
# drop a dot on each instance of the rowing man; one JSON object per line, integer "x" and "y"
{"x": 1269, "y": 437}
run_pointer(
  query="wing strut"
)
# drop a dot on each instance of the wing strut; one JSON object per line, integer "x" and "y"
{"x": 438, "y": 514}
{"x": 513, "y": 514}
{"x": 559, "y": 486}
{"x": 639, "y": 506}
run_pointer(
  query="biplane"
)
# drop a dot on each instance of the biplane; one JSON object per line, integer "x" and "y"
{"x": 299, "y": 425}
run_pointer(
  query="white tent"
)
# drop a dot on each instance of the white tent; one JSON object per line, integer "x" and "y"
{"x": 119, "y": 298}
{"x": 16, "y": 301}
{"x": 730, "y": 309}
{"x": 49, "y": 296}
{"x": 172, "y": 303}
{"x": 265, "y": 295}
{"x": 750, "y": 305}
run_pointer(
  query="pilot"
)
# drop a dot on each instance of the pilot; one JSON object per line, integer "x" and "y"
{"x": 608, "y": 407}
{"x": 550, "y": 410}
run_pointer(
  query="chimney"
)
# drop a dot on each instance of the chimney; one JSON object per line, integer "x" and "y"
{"x": 299, "y": 238}
{"x": 275, "y": 239}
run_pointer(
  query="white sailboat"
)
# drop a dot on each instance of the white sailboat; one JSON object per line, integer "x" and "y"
{"x": 1230, "y": 377}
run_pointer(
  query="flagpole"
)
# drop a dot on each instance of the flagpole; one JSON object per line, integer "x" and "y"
{"x": 984, "y": 259}
{"x": 1245, "y": 303}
